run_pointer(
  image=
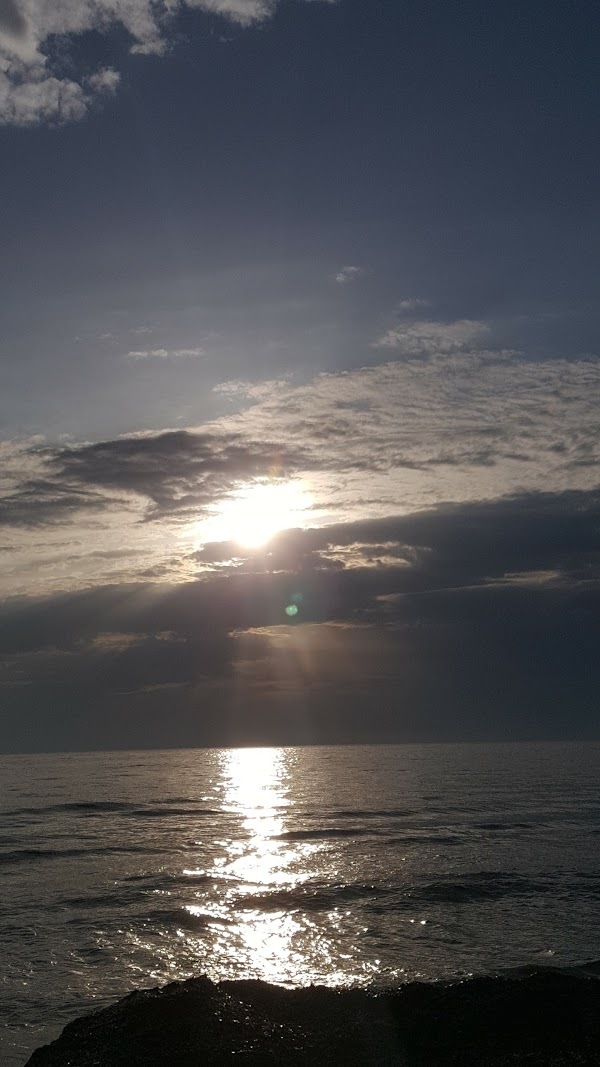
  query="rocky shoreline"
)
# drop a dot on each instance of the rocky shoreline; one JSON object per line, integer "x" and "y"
{"x": 536, "y": 1017}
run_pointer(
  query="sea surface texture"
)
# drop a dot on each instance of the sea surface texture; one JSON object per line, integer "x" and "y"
{"x": 348, "y": 866}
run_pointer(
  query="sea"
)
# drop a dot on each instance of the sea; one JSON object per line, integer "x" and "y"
{"x": 344, "y": 866}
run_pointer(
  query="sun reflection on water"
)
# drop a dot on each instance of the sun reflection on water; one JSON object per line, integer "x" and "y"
{"x": 255, "y": 787}
{"x": 249, "y": 910}
{"x": 255, "y": 784}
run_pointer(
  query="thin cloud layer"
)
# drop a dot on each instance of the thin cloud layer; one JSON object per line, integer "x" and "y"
{"x": 32, "y": 91}
{"x": 398, "y": 437}
{"x": 427, "y": 338}
{"x": 166, "y": 353}
{"x": 425, "y": 429}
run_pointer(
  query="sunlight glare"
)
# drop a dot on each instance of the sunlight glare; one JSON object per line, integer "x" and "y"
{"x": 253, "y": 514}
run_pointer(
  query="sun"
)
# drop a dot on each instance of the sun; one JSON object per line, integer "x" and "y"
{"x": 255, "y": 512}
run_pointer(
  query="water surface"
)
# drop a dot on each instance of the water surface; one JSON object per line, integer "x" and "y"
{"x": 344, "y": 866}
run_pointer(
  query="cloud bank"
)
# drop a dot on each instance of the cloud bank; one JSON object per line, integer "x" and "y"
{"x": 473, "y": 619}
{"x": 476, "y": 621}
{"x": 31, "y": 91}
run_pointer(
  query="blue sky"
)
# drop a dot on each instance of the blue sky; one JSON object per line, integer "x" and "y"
{"x": 346, "y": 249}
{"x": 446, "y": 149}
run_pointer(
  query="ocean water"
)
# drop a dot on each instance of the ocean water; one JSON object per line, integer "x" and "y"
{"x": 368, "y": 865}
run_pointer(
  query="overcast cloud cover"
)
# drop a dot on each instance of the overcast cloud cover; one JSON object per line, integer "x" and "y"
{"x": 251, "y": 267}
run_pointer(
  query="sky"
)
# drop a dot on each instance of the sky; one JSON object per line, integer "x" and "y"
{"x": 299, "y": 372}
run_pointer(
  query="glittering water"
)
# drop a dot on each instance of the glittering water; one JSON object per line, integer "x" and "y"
{"x": 333, "y": 865}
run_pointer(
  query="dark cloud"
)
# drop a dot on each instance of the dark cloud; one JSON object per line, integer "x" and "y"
{"x": 450, "y": 545}
{"x": 473, "y": 621}
{"x": 177, "y": 473}
{"x": 114, "y": 663}
{"x": 12, "y": 20}
{"x": 43, "y": 502}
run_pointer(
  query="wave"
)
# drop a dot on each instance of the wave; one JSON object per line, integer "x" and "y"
{"x": 391, "y": 836}
{"x": 370, "y": 813}
{"x": 160, "y": 813}
{"x": 507, "y": 825}
{"x": 182, "y": 918}
{"x": 426, "y": 839}
{"x": 115, "y": 807}
{"x": 91, "y": 807}
{"x": 311, "y": 897}
{"x": 117, "y": 899}
{"x": 472, "y": 890}
{"x": 29, "y": 855}
{"x": 8, "y": 839}
{"x": 478, "y": 887}
{"x": 325, "y": 832}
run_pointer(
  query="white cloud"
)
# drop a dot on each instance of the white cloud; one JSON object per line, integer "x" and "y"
{"x": 238, "y": 389}
{"x": 104, "y": 81}
{"x": 37, "y": 99}
{"x": 349, "y": 274}
{"x": 31, "y": 91}
{"x": 429, "y": 338}
{"x": 411, "y": 303}
{"x": 166, "y": 353}
{"x": 242, "y": 11}
{"x": 415, "y": 432}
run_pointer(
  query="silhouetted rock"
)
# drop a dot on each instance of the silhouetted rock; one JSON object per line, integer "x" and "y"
{"x": 533, "y": 1017}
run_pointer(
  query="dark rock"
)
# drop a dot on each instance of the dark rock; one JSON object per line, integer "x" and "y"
{"x": 538, "y": 1018}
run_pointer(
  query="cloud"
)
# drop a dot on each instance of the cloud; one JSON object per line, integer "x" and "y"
{"x": 443, "y": 550}
{"x": 28, "y": 95}
{"x": 243, "y": 11}
{"x": 448, "y": 546}
{"x": 37, "y": 98}
{"x": 418, "y": 431}
{"x": 410, "y": 304}
{"x": 39, "y": 503}
{"x": 12, "y": 20}
{"x": 31, "y": 91}
{"x": 176, "y": 473}
{"x": 437, "y": 642}
{"x": 400, "y": 436}
{"x": 237, "y": 389}
{"x": 349, "y": 274}
{"x": 167, "y": 353}
{"x": 429, "y": 338}
{"x": 104, "y": 81}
